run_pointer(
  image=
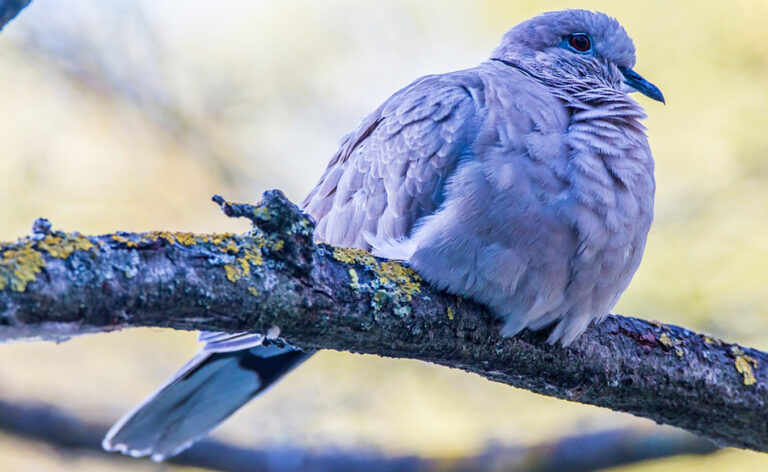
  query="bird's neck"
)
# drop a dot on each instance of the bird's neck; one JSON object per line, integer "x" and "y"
{"x": 610, "y": 167}
{"x": 604, "y": 122}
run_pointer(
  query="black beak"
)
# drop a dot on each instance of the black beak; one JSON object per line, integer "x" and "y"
{"x": 638, "y": 83}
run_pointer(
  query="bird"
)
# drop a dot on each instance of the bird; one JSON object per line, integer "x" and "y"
{"x": 525, "y": 183}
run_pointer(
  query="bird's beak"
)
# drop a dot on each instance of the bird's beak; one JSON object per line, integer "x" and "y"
{"x": 636, "y": 83}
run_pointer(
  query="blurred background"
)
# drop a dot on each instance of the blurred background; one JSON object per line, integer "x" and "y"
{"x": 129, "y": 115}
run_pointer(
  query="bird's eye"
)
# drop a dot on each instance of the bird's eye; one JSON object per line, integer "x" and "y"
{"x": 580, "y": 42}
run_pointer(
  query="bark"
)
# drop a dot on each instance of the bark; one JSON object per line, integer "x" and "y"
{"x": 582, "y": 453}
{"x": 54, "y": 285}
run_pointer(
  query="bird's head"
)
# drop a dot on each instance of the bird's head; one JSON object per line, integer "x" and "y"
{"x": 575, "y": 49}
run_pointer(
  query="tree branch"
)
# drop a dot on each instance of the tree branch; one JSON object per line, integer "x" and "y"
{"x": 591, "y": 451}
{"x": 54, "y": 285}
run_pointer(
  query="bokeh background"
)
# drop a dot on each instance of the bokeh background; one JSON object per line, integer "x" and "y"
{"x": 129, "y": 115}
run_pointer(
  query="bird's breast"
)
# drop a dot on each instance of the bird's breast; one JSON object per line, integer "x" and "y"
{"x": 609, "y": 197}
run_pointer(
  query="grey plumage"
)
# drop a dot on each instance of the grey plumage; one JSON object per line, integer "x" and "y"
{"x": 525, "y": 183}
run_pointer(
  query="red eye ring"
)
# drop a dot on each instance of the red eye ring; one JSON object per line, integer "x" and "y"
{"x": 580, "y": 42}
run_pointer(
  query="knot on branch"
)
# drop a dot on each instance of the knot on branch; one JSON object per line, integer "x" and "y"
{"x": 41, "y": 228}
{"x": 288, "y": 230}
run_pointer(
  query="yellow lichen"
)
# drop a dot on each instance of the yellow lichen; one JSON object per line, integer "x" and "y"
{"x": 62, "y": 247}
{"x": 49, "y": 241}
{"x": 278, "y": 245}
{"x": 124, "y": 241}
{"x": 185, "y": 239}
{"x": 233, "y": 272}
{"x": 674, "y": 344}
{"x": 20, "y": 263}
{"x": 145, "y": 238}
{"x": 262, "y": 213}
{"x": 253, "y": 291}
{"x": 219, "y": 238}
{"x": 242, "y": 265}
{"x": 166, "y": 235}
{"x": 353, "y": 256}
{"x": 744, "y": 365}
{"x": 406, "y": 279}
{"x": 224, "y": 242}
{"x": 450, "y": 313}
{"x": 253, "y": 256}
{"x": 19, "y": 267}
{"x": 711, "y": 340}
{"x": 237, "y": 270}
{"x": 231, "y": 247}
{"x": 392, "y": 281}
{"x": 355, "y": 283}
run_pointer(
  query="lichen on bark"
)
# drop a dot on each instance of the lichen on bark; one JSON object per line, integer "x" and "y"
{"x": 55, "y": 284}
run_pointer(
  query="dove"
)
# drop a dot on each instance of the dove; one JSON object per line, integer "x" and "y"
{"x": 525, "y": 183}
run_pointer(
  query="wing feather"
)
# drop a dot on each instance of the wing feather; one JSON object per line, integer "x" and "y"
{"x": 391, "y": 171}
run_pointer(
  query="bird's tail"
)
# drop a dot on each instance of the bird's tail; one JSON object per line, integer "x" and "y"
{"x": 206, "y": 391}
